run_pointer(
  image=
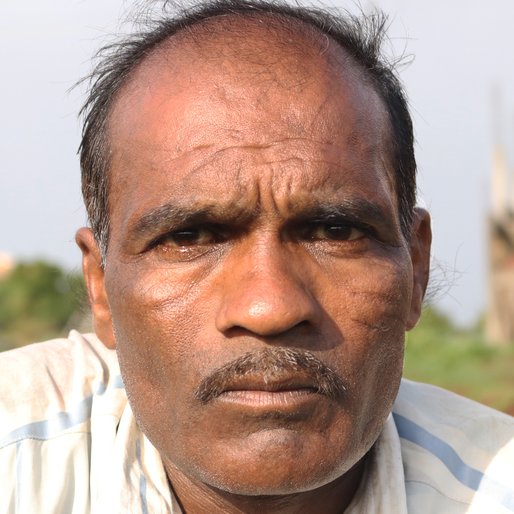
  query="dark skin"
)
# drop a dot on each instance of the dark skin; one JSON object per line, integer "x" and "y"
{"x": 249, "y": 215}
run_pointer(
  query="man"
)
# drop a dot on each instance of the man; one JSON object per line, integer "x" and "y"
{"x": 254, "y": 259}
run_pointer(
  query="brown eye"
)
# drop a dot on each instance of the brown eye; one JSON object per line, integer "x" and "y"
{"x": 335, "y": 232}
{"x": 189, "y": 237}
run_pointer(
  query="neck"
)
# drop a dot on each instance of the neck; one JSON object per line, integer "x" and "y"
{"x": 198, "y": 498}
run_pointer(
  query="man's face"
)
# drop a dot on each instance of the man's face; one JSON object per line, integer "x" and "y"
{"x": 255, "y": 230}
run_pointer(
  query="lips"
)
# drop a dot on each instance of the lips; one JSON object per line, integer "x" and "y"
{"x": 286, "y": 382}
{"x": 281, "y": 392}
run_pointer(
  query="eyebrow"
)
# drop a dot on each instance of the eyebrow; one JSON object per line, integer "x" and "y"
{"x": 357, "y": 211}
{"x": 352, "y": 209}
{"x": 172, "y": 216}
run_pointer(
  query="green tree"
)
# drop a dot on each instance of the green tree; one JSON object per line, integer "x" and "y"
{"x": 37, "y": 300}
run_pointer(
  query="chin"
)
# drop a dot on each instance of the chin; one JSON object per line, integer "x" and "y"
{"x": 282, "y": 464}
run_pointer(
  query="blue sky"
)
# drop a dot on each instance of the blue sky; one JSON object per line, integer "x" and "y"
{"x": 462, "y": 51}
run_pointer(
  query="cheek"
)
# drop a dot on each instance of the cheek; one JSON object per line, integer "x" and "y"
{"x": 368, "y": 306}
{"x": 370, "y": 301}
{"x": 156, "y": 303}
{"x": 158, "y": 320}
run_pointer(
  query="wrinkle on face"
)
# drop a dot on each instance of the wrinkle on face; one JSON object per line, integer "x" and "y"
{"x": 210, "y": 147}
{"x": 277, "y": 166}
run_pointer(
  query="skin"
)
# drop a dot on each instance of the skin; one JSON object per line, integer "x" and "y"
{"x": 253, "y": 206}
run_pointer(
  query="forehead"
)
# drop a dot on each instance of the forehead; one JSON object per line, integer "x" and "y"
{"x": 234, "y": 91}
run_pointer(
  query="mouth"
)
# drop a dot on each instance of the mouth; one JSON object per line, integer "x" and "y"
{"x": 272, "y": 376}
{"x": 272, "y": 399}
{"x": 276, "y": 393}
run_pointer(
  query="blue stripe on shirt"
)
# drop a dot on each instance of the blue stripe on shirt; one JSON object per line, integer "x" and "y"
{"x": 142, "y": 480}
{"x": 465, "y": 474}
{"x": 49, "y": 428}
{"x": 19, "y": 494}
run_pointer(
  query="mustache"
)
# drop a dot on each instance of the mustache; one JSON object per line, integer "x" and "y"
{"x": 269, "y": 364}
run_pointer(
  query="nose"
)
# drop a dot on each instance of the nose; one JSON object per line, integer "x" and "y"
{"x": 265, "y": 292}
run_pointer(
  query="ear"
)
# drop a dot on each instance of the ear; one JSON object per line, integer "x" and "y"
{"x": 421, "y": 239}
{"x": 93, "y": 271}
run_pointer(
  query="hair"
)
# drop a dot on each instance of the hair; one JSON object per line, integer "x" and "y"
{"x": 361, "y": 37}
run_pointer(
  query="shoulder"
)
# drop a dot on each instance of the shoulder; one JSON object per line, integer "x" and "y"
{"x": 443, "y": 412}
{"x": 46, "y": 380}
{"x": 58, "y": 401}
{"x": 455, "y": 451}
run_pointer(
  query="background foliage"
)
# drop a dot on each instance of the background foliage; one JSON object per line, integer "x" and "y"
{"x": 439, "y": 353}
{"x": 38, "y": 300}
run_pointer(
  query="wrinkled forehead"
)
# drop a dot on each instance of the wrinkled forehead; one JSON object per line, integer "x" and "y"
{"x": 258, "y": 78}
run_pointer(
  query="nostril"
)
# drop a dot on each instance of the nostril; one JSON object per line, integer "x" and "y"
{"x": 238, "y": 331}
{"x": 303, "y": 324}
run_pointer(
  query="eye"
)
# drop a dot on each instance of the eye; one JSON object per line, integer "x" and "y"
{"x": 334, "y": 232}
{"x": 184, "y": 238}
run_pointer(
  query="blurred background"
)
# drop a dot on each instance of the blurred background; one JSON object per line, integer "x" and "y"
{"x": 458, "y": 72}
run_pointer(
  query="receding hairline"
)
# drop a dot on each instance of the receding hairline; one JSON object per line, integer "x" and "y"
{"x": 298, "y": 46}
{"x": 210, "y": 39}
{"x": 286, "y": 31}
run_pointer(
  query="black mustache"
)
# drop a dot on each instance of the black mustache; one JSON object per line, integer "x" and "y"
{"x": 271, "y": 363}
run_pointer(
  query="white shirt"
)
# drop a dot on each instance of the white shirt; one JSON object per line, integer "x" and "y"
{"x": 69, "y": 444}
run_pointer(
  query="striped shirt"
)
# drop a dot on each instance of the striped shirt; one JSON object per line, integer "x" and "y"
{"x": 69, "y": 444}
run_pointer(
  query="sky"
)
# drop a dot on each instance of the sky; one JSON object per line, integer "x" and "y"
{"x": 458, "y": 54}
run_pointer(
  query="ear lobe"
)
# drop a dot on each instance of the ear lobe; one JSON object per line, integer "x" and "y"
{"x": 420, "y": 243}
{"x": 93, "y": 271}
